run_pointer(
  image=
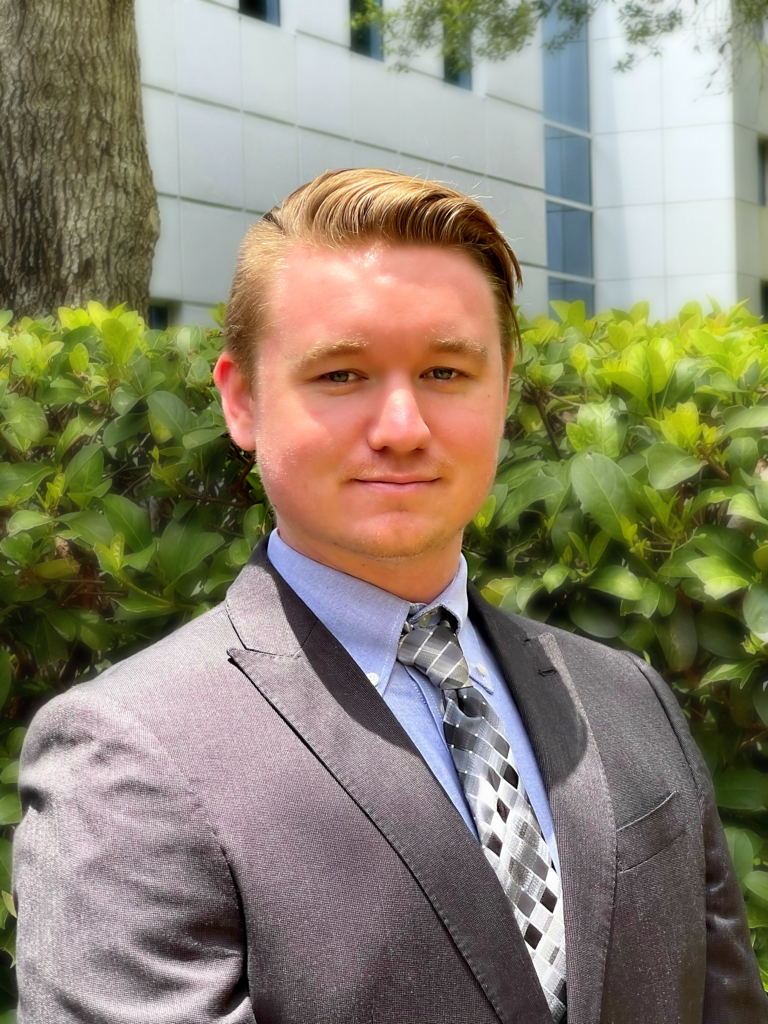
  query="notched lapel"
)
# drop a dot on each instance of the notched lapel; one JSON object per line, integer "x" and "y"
{"x": 317, "y": 688}
{"x": 574, "y": 778}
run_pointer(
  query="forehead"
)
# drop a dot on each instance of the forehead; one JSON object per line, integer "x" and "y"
{"x": 380, "y": 283}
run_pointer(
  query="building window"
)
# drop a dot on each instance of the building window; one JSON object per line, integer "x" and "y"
{"x": 569, "y": 239}
{"x": 158, "y": 318}
{"x": 566, "y": 159}
{"x": 457, "y": 76}
{"x": 366, "y": 39}
{"x": 764, "y": 300}
{"x": 566, "y": 81}
{"x": 567, "y": 163}
{"x": 762, "y": 170}
{"x": 457, "y": 68}
{"x": 264, "y": 10}
{"x": 572, "y": 291}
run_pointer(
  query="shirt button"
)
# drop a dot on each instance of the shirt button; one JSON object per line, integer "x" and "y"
{"x": 373, "y": 676}
{"x": 482, "y": 670}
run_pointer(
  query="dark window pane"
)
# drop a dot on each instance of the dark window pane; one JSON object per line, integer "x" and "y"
{"x": 459, "y": 72}
{"x": 566, "y": 82}
{"x": 457, "y": 76}
{"x": 158, "y": 318}
{"x": 572, "y": 291}
{"x": 569, "y": 240}
{"x": 567, "y": 164}
{"x": 265, "y": 10}
{"x": 366, "y": 40}
{"x": 764, "y": 300}
{"x": 762, "y": 170}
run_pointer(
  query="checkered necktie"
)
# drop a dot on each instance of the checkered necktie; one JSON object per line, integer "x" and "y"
{"x": 509, "y": 832}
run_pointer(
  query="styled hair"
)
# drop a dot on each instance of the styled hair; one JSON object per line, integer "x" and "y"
{"x": 345, "y": 208}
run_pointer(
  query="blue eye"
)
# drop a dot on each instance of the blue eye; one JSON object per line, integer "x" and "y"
{"x": 339, "y": 376}
{"x": 443, "y": 373}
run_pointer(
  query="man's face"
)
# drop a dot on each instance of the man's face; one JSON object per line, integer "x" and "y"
{"x": 379, "y": 403}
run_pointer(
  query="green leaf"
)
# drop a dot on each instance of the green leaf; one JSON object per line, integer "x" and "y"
{"x": 619, "y": 581}
{"x": 485, "y": 513}
{"x": 740, "y": 849}
{"x": 720, "y": 634}
{"x": 19, "y": 481}
{"x": 756, "y": 883}
{"x": 183, "y": 547}
{"x": 10, "y": 809}
{"x": 599, "y": 427}
{"x": 555, "y": 576}
{"x": 9, "y": 904}
{"x": 127, "y": 518}
{"x": 90, "y": 526}
{"x": 85, "y": 470}
{"x": 760, "y": 698}
{"x": 119, "y": 342}
{"x": 123, "y": 427}
{"x": 6, "y": 853}
{"x": 601, "y": 487}
{"x": 144, "y": 606}
{"x": 730, "y": 671}
{"x": 79, "y": 358}
{"x": 744, "y": 505}
{"x": 26, "y": 520}
{"x": 202, "y": 435}
{"x": 594, "y": 619}
{"x": 6, "y": 676}
{"x": 171, "y": 413}
{"x": 638, "y": 635}
{"x": 677, "y": 636}
{"x": 527, "y": 494}
{"x": 756, "y": 610}
{"x": 720, "y": 577}
{"x": 739, "y": 418}
{"x": 668, "y": 466}
{"x": 27, "y": 419}
{"x": 745, "y": 789}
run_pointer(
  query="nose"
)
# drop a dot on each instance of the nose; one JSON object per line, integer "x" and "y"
{"x": 398, "y": 423}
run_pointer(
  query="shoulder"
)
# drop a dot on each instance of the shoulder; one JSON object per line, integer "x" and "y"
{"x": 171, "y": 680}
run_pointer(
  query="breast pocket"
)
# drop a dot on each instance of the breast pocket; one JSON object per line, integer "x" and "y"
{"x": 643, "y": 838}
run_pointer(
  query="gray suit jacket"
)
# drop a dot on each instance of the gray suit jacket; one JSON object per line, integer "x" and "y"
{"x": 233, "y": 827}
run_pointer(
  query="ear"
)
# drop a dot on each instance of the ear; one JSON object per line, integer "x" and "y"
{"x": 237, "y": 401}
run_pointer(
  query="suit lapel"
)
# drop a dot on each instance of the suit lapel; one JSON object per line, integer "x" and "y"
{"x": 573, "y": 776}
{"x": 316, "y": 687}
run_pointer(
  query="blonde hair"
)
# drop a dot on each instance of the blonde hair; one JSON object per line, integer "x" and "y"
{"x": 344, "y": 208}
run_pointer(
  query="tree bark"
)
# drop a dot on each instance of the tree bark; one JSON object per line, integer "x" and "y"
{"x": 78, "y": 209}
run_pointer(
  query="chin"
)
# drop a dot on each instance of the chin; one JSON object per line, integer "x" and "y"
{"x": 397, "y": 543}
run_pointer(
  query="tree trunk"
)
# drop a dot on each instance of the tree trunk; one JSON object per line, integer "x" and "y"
{"x": 78, "y": 210}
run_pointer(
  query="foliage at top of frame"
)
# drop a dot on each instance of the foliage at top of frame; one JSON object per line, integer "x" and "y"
{"x": 631, "y": 505}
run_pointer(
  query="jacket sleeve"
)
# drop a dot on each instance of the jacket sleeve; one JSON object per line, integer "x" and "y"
{"x": 127, "y": 911}
{"x": 734, "y": 993}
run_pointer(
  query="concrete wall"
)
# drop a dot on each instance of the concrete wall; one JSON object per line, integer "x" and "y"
{"x": 239, "y": 113}
{"x": 675, "y": 207}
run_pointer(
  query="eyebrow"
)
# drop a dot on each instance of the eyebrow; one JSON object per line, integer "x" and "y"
{"x": 460, "y": 346}
{"x": 354, "y": 346}
{"x": 331, "y": 349}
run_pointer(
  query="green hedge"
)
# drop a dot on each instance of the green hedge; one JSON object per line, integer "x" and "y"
{"x": 631, "y": 505}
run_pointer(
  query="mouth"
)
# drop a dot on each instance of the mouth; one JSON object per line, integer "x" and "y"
{"x": 396, "y": 485}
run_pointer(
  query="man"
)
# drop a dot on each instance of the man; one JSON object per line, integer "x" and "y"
{"x": 355, "y": 792}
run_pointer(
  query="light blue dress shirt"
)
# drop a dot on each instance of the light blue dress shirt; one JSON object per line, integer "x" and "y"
{"x": 368, "y": 622}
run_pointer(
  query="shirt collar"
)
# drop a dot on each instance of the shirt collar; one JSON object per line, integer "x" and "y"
{"x": 366, "y": 620}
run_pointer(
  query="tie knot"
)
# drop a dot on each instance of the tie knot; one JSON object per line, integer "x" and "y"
{"x": 429, "y": 643}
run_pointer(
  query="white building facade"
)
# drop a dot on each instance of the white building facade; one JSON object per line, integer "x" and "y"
{"x": 610, "y": 187}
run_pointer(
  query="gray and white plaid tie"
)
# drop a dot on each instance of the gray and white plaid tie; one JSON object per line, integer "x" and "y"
{"x": 509, "y": 832}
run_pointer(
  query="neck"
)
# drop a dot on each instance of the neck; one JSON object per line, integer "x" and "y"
{"x": 417, "y": 579}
